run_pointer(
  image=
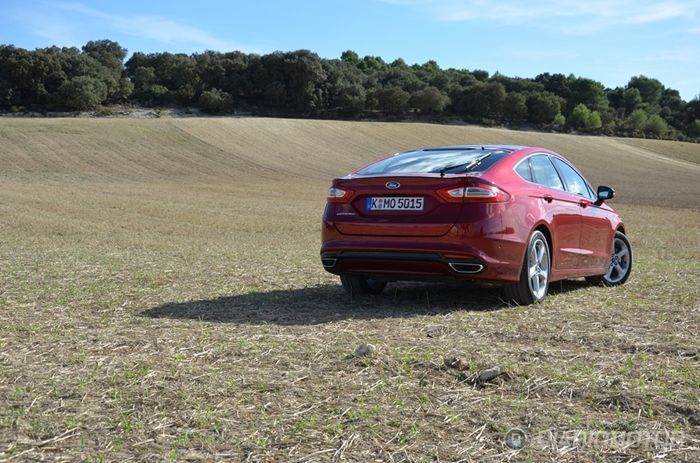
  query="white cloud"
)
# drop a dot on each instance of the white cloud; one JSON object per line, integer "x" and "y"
{"x": 159, "y": 29}
{"x": 580, "y": 16}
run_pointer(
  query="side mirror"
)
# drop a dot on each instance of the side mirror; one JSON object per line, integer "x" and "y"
{"x": 604, "y": 193}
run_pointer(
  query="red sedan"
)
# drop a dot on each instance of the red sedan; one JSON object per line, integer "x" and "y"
{"x": 516, "y": 215}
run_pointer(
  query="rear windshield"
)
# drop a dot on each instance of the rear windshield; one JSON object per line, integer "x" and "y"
{"x": 436, "y": 160}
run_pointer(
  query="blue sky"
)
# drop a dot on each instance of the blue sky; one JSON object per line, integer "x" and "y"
{"x": 607, "y": 40}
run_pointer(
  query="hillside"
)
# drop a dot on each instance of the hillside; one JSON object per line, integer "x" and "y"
{"x": 260, "y": 149}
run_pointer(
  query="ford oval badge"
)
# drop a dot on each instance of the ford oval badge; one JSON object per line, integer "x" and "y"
{"x": 392, "y": 185}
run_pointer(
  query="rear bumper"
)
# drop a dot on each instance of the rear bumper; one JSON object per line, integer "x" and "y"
{"x": 406, "y": 264}
{"x": 477, "y": 247}
{"x": 401, "y": 259}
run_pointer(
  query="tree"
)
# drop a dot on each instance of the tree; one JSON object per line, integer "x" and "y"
{"x": 350, "y": 56}
{"x": 440, "y": 81}
{"x": 543, "y": 107}
{"x": 392, "y": 100}
{"x": 109, "y": 68}
{"x": 301, "y": 82}
{"x": 649, "y": 89}
{"x": 304, "y": 74}
{"x": 515, "y": 106}
{"x": 636, "y": 121}
{"x": 430, "y": 68}
{"x": 108, "y": 53}
{"x": 371, "y": 64}
{"x": 215, "y": 101}
{"x": 146, "y": 88}
{"x": 276, "y": 95}
{"x": 480, "y": 75}
{"x": 430, "y": 100}
{"x": 631, "y": 99}
{"x": 350, "y": 99}
{"x": 557, "y": 84}
{"x": 83, "y": 92}
{"x": 517, "y": 84}
{"x": 401, "y": 77}
{"x": 482, "y": 100}
{"x": 157, "y": 95}
{"x": 342, "y": 89}
{"x": 587, "y": 92}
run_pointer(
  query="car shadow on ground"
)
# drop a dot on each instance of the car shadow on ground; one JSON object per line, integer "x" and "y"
{"x": 327, "y": 303}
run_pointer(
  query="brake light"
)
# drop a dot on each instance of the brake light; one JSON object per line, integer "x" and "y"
{"x": 338, "y": 195}
{"x": 474, "y": 194}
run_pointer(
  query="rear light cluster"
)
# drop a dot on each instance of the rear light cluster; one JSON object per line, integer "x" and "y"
{"x": 339, "y": 195}
{"x": 474, "y": 194}
{"x": 480, "y": 193}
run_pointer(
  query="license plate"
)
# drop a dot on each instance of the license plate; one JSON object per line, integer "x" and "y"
{"x": 392, "y": 203}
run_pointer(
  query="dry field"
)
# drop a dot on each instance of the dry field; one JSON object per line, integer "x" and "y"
{"x": 161, "y": 299}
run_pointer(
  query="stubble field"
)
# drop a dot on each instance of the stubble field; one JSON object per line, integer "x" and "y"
{"x": 161, "y": 298}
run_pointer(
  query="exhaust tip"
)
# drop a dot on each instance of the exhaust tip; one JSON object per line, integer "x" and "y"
{"x": 462, "y": 267}
{"x": 328, "y": 262}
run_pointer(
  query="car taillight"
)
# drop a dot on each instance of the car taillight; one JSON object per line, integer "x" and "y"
{"x": 474, "y": 194}
{"x": 338, "y": 195}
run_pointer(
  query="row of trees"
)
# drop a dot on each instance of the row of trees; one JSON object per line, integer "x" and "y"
{"x": 302, "y": 83}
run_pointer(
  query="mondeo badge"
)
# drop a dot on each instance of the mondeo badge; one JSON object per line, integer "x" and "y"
{"x": 392, "y": 185}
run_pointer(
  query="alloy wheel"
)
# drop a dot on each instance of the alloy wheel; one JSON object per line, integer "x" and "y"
{"x": 620, "y": 261}
{"x": 538, "y": 268}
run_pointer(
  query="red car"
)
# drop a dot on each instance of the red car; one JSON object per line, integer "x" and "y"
{"x": 515, "y": 215}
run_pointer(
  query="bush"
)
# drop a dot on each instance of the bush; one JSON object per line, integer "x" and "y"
{"x": 656, "y": 125}
{"x": 694, "y": 128}
{"x": 559, "y": 120}
{"x": 584, "y": 119}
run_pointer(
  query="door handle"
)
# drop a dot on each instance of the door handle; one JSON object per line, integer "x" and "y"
{"x": 548, "y": 198}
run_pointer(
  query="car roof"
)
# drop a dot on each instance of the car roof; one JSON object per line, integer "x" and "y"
{"x": 465, "y": 147}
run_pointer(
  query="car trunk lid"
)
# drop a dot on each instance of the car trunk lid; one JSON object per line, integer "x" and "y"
{"x": 397, "y": 206}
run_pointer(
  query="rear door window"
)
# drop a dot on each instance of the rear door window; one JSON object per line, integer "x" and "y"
{"x": 574, "y": 182}
{"x": 544, "y": 173}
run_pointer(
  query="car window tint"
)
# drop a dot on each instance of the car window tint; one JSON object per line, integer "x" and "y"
{"x": 574, "y": 182}
{"x": 523, "y": 169}
{"x": 544, "y": 172}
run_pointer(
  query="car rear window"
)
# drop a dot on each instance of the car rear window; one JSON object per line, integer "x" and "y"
{"x": 436, "y": 160}
{"x": 523, "y": 169}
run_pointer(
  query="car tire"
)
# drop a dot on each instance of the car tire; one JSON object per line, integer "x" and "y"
{"x": 534, "y": 275}
{"x": 620, "y": 266}
{"x": 357, "y": 285}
